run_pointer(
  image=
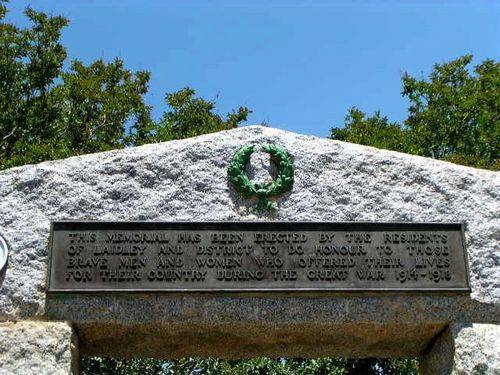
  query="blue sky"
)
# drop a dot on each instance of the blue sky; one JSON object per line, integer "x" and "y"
{"x": 299, "y": 65}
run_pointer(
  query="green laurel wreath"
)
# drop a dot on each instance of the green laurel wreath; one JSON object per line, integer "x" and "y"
{"x": 283, "y": 182}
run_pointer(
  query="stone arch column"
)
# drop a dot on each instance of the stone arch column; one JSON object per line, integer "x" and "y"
{"x": 38, "y": 347}
{"x": 464, "y": 349}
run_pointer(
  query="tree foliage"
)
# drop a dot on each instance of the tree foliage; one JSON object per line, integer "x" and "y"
{"x": 100, "y": 100}
{"x": 453, "y": 115}
{"x": 254, "y": 366}
{"x": 190, "y": 116}
{"x": 374, "y": 131}
{"x": 47, "y": 112}
{"x": 115, "y": 366}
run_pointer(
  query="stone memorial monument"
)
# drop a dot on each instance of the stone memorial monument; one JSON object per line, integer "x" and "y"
{"x": 249, "y": 242}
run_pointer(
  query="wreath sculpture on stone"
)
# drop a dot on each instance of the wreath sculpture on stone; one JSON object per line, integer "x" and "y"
{"x": 263, "y": 191}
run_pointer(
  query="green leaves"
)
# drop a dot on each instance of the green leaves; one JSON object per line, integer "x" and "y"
{"x": 30, "y": 63}
{"x": 253, "y": 366}
{"x": 236, "y": 171}
{"x": 100, "y": 100}
{"x": 49, "y": 113}
{"x": 453, "y": 115}
{"x": 283, "y": 182}
{"x": 189, "y": 116}
{"x": 284, "y": 161}
{"x": 374, "y": 131}
{"x": 113, "y": 366}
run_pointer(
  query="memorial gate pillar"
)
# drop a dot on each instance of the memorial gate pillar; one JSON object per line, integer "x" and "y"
{"x": 37, "y": 347}
{"x": 464, "y": 349}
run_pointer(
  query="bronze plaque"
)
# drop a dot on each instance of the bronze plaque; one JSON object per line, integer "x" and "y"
{"x": 256, "y": 256}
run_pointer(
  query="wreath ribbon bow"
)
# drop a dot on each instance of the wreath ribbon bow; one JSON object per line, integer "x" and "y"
{"x": 283, "y": 182}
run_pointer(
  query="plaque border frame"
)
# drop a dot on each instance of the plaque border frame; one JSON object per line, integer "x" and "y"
{"x": 263, "y": 225}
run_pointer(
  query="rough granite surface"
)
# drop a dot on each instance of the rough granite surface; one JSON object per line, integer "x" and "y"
{"x": 187, "y": 180}
{"x": 36, "y": 348}
{"x": 465, "y": 349}
{"x": 477, "y": 349}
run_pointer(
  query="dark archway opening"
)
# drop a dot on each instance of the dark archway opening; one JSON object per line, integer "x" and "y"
{"x": 252, "y": 366}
